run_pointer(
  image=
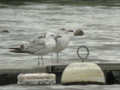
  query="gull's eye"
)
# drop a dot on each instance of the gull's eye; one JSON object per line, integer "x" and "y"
{"x": 62, "y": 29}
{"x": 59, "y": 36}
{"x": 40, "y": 37}
{"x": 22, "y": 46}
{"x": 52, "y": 35}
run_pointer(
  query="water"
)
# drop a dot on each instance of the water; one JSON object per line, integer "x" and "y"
{"x": 100, "y": 20}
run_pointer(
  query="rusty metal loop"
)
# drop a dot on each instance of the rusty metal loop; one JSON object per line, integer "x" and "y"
{"x": 87, "y": 54}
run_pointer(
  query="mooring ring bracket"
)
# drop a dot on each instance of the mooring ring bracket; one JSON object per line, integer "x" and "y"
{"x": 87, "y": 54}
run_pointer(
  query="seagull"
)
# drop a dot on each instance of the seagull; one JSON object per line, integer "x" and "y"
{"x": 63, "y": 39}
{"x": 47, "y": 43}
{"x": 42, "y": 45}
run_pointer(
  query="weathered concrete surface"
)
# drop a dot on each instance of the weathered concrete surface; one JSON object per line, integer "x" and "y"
{"x": 36, "y": 79}
{"x": 9, "y": 72}
{"x": 83, "y": 73}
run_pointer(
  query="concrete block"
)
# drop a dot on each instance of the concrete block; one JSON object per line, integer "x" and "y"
{"x": 82, "y": 73}
{"x": 36, "y": 79}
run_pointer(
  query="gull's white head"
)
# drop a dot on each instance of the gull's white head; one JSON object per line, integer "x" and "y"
{"x": 50, "y": 35}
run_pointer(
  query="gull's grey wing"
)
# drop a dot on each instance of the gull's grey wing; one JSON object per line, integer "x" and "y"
{"x": 36, "y": 44}
{"x": 40, "y": 45}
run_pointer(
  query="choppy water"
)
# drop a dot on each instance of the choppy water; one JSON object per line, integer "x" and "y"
{"x": 24, "y": 20}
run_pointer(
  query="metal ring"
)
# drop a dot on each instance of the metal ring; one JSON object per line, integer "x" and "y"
{"x": 78, "y": 50}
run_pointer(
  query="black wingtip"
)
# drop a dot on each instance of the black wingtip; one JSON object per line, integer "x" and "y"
{"x": 15, "y": 50}
{"x": 19, "y": 49}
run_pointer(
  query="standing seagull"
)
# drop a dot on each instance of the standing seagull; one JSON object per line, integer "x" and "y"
{"x": 43, "y": 45}
{"x": 63, "y": 39}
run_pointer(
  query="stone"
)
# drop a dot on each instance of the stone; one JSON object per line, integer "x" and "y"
{"x": 78, "y": 32}
{"x": 36, "y": 79}
{"x": 4, "y": 31}
{"x": 83, "y": 73}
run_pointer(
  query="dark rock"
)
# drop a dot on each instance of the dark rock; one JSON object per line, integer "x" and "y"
{"x": 4, "y": 31}
{"x": 78, "y": 32}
